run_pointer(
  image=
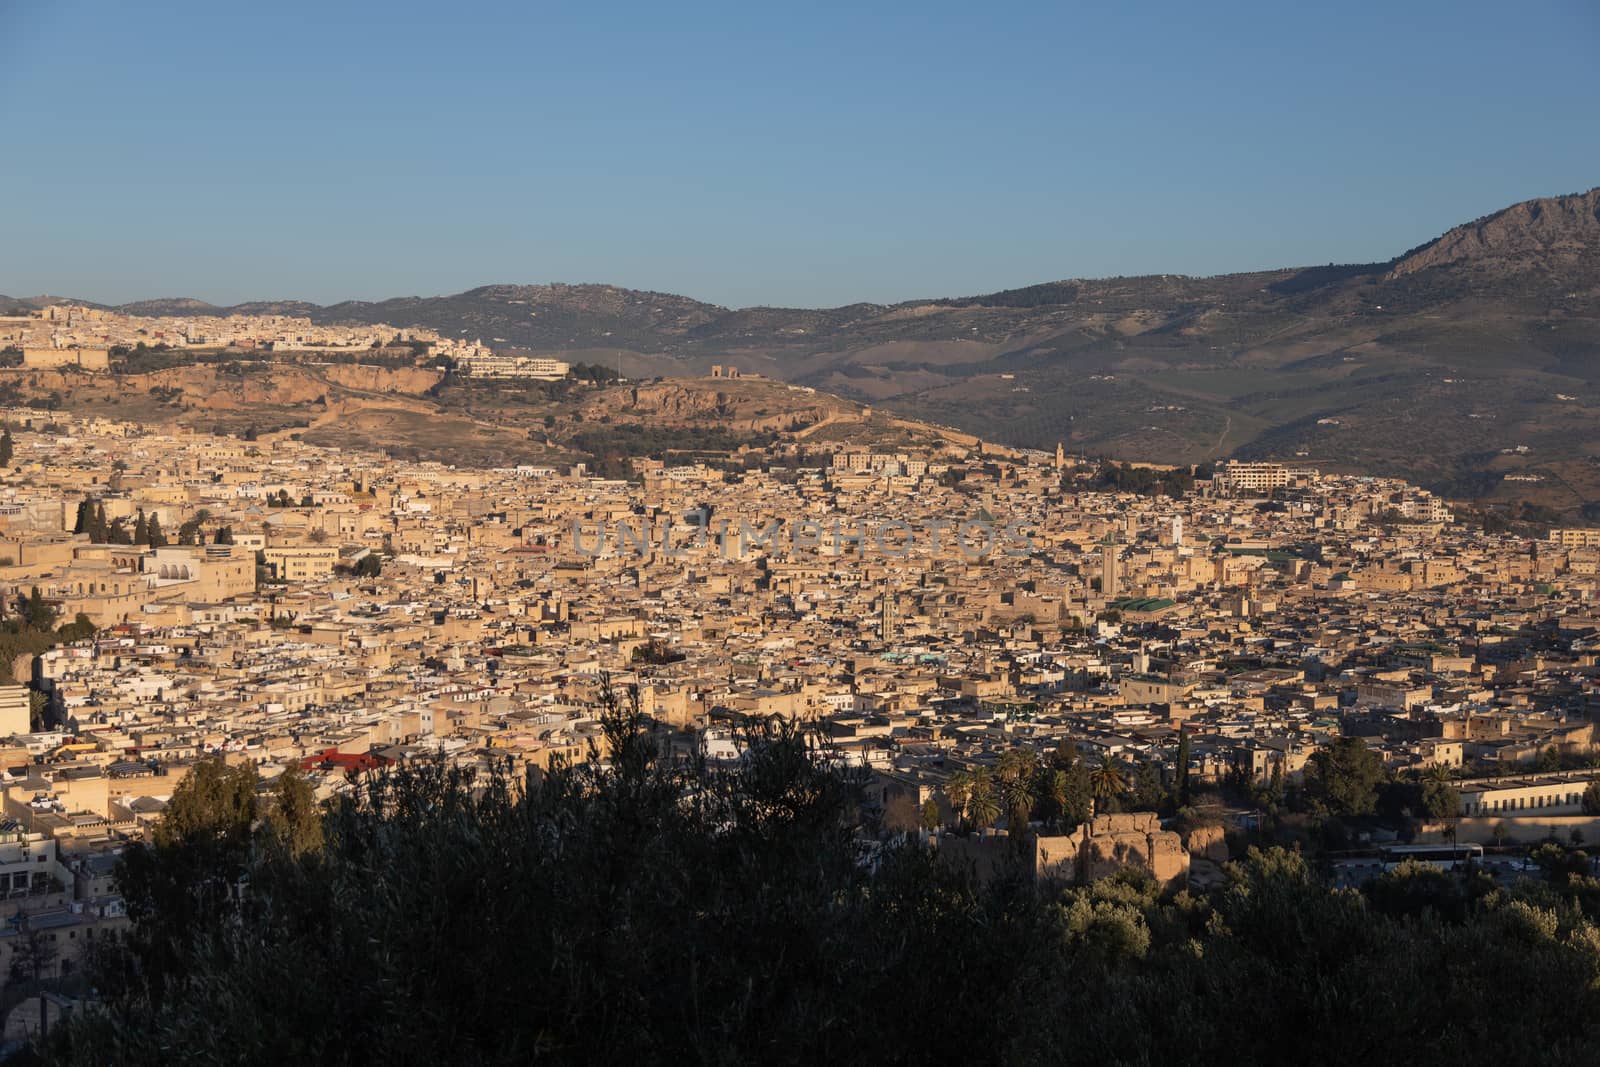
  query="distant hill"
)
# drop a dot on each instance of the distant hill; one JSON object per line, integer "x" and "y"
{"x": 1557, "y": 235}
{"x": 21, "y": 305}
{"x": 1430, "y": 365}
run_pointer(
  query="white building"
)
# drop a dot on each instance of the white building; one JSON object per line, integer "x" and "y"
{"x": 497, "y": 366}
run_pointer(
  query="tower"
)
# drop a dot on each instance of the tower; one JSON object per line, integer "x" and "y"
{"x": 1061, "y": 458}
{"x": 886, "y": 619}
{"x": 1109, "y": 583}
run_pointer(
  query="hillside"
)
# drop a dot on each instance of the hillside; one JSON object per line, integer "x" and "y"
{"x": 1471, "y": 357}
{"x": 421, "y": 413}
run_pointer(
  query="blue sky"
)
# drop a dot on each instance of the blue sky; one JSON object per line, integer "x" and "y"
{"x": 755, "y": 153}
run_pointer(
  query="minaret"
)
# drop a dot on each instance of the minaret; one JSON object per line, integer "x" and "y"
{"x": 1061, "y": 458}
{"x": 1109, "y": 584}
{"x": 886, "y": 620}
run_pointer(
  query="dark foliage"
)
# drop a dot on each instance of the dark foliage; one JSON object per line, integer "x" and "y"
{"x": 666, "y": 911}
{"x": 1125, "y": 478}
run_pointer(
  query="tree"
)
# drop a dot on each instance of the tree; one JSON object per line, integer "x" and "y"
{"x": 81, "y": 628}
{"x": 1412, "y": 888}
{"x": 102, "y": 530}
{"x": 470, "y": 915}
{"x": 1067, "y": 795}
{"x": 37, "y": 613}
{"x": 1501, "y": 833}
{"x": 34, "y": 955}
{"x": 1064, "y": 757}
{"x": 1275, "y": 783}
{"x": 958, "y": 790}
{"x": 983, "y": 806}
{"x": 7, "y": 447}
{"x": 1440, "y": 799}
{"x": 153, "y": 535}
{"x": 370, "y": 566}
{"x": 1148, "y": 794}
{"x": 901, "y": 814}
{"x": 1018, "y": 787}
{"x": 141, "y": 529}
{"x": 1110, "y": 779}
{"x": 214, "y": 803}
{"x": 1344, "y": 777}
{"x": 189, "y": 872}
{"x": 224, "y": 536}
{"x": 1591, "y": 798}
{"x": 930, "y": 815}
{"x": 1183, "y": 766}
{"x": 85, "y": 520}
{"x": 295, "y": 816}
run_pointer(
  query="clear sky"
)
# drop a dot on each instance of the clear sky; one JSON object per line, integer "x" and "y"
{"x": 763, "y": 153}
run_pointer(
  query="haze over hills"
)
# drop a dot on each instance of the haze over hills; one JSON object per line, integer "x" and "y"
{"x": 1428, "y": 365}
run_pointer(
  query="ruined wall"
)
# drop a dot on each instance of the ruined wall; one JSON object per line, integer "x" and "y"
{"x": 1208, "y": 843}
{"x": 1097, "y": 849}
{"x": 1112, "y": 842}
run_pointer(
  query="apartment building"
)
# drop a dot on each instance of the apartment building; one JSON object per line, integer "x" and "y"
{"x": 491, "y": 365}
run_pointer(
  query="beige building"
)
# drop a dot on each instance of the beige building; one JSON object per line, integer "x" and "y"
{"x": 15, "y": 710}
{"x": 1237, "y": 477}
{"x": 301, "y": 563}
{"x": 1524, "y": 797}
{"x": 1576, "y": 537}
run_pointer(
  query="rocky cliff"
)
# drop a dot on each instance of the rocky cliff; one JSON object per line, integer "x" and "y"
{"x": 1550, "y": 233}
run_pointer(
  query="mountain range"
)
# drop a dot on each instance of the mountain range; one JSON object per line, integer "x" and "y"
{"x": 1471, "y": 357}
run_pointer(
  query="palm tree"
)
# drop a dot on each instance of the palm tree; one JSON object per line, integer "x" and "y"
{"x": 983, "y": 807}
{"x": 958, "y": 788}
{"x": 1016, "y": 763}
{"x": 1109, "y": 779}
{"x": 1053, "y": 789}
{"x": 1017, "y": 788}
{"x": 1020, "y": 794}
